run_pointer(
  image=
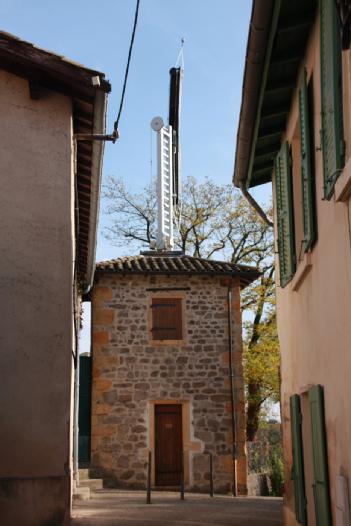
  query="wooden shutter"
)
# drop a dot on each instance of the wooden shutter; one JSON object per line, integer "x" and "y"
{"x": 285, "y": 215}
{"x": 307, "y": 176}
{"x": 331, "y": 92}
{"x": 166, "y": 318}
{"x": 298, "y": 474}
{"x": 320, "y": 457}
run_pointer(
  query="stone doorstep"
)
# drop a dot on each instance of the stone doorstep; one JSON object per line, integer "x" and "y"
{"x": 83, "y": 474}
{"x": 91, "y": 483}
{"x": 81, "y": 493}
{"x": 82, "y": 490}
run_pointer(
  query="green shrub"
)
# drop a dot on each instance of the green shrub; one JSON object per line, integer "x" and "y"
{"x": 276, "y": 470}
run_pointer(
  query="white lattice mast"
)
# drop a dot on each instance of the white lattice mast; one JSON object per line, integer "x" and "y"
{"x": 168, "y": 164}
{"x": 164, "y": 238}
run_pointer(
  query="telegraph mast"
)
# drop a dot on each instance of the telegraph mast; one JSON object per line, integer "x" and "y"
{"x": 168, "y": 163}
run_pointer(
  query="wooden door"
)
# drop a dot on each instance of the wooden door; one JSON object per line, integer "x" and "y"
{"x": 168, "y": 444}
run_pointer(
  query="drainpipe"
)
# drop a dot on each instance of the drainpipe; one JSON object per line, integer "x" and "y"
{"x": 76, "y": 414}
{"x": 254, "y": 204}
{"x": 232, "y": 392}
{"x": 76, "y": 326}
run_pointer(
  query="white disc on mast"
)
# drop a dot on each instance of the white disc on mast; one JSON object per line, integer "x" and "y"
{"x": 157, "y": 123}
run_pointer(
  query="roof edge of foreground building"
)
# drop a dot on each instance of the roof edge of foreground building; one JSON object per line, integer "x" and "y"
{"x": 270, "y": 75}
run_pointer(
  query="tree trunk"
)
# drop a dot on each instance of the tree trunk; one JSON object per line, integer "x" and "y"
{"x": 253, "y": 411}
{"x": 254, "y": 398}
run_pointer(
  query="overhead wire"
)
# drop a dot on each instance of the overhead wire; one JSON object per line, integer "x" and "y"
{"x": 115, "y": 135}
{"x": 115, "y": 127}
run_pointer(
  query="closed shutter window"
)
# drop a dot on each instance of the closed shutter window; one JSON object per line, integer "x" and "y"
{"x": 285, "y": 215}
{"x": 331, "y": 92}
{"x": 320, "y": 458}
{"x": 298, "y": 475}
{"x": 307, "y": 165}
{"x": 166, "y": 319}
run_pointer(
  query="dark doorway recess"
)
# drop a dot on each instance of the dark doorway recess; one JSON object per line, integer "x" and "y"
{"x": 84, "y": 413}
{"x": 168, "y": 444}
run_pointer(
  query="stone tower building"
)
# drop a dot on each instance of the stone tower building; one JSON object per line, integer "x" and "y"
{"x": 166, "y": 332}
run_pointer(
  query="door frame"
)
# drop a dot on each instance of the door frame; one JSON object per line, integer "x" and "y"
{"x": 191, "y": 445}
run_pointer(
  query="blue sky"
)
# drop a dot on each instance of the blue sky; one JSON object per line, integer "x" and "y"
{"x": 97, "y": 34}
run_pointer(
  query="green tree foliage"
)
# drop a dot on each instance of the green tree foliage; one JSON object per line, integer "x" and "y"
{"x": 261, "y": 363}
{"x": 214, "y": 221}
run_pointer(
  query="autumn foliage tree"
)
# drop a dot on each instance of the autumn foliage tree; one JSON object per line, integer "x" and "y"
{"x": 214, "y": 221}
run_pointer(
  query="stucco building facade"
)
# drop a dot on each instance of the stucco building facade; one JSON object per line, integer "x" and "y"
{"x": 49, "y": 202}
{"x": 161, "y": 327}
{"x": 298, "y": 135}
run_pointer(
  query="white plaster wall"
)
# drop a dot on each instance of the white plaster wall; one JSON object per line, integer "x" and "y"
{"x": 36, "y": 254}
{"x": 314, "y": 322}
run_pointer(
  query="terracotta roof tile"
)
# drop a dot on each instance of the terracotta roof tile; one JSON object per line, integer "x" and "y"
{"x": 175, "y": 263}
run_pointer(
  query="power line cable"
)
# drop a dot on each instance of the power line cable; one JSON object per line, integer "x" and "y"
{"x": 115, "y": 127}
{"x": 115, "y": 135}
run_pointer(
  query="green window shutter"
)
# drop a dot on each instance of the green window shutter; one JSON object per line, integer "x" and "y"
{"x": 285, "y": 215}
{"x": 320, "y": 458}
{"x": 331, "y": 92}
{"x": 298, "y": 466}
{"x": 307, "y": 177}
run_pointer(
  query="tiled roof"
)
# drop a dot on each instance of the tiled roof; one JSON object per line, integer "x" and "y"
{"x": 177, "y": 264}
{"x": 48, "y": 67}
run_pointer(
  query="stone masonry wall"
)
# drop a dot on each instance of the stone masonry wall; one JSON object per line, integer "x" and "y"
{"x": 130, "y": 372}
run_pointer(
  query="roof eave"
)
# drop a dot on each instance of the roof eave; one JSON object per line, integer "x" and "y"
{"x": 49, "y": 69}
{"x": 245, "y": 278}
{"x": 276, "y": 47}
{"x": 259, "y": 46}
{"x": 99, "y": 127}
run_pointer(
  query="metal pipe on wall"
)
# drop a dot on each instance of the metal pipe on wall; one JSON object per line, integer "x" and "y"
{"x": 76, "y": 419}
{"x": 232, "y": 392}
{"x": 76, "y": 325}
{"x": 254, "y": 204}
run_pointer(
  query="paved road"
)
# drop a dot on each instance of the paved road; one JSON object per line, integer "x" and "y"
{"x": 117, "y": 508}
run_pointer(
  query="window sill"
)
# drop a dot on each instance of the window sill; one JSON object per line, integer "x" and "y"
{"x": 302, "y": 270}
{"x": 343, "y": 184}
